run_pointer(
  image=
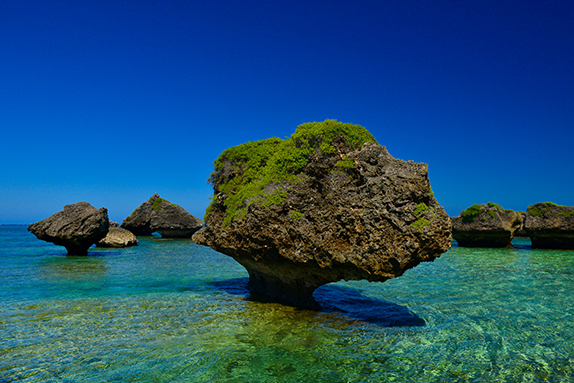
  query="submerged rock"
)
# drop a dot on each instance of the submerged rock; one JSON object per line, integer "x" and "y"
{"x": 550, "y": 226}
{"x": 77, "y": 227}
{"x": 325, "y": 205}
{"x": 486, "y": 225}
{"x": 139, "y": 221}
{"x": 118, "y": 237}
{"x": 173, "y": 221}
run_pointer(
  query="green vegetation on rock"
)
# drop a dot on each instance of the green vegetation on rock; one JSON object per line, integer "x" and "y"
{"x": 295, "y": 215}
{"x": 346, "y": 163}
{"x": 421, "y": 208}
{"x": 158, "y": 202}
{"x": 538, "y": 209}
{"x": 470, "y": 214}
{"x": 420, "y": 224}
{"x": 261, "y": 171}
{"x": 425, "y": 214}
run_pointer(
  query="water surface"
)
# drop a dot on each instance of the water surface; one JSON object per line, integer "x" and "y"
{"x": 174, "y": 311}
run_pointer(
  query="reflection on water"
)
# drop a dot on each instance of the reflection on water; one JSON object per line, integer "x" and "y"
{"x": 169, "y": 311}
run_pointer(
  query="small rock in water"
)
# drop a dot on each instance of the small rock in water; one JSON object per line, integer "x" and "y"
{"x": 118, "y": 238}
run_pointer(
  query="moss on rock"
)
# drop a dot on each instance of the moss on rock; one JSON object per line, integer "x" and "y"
{"x": 260, "y": 171}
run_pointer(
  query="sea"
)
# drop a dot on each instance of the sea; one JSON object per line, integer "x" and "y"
{"x": 175, "y": 311}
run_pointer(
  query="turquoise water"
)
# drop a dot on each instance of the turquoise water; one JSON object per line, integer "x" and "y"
{"x": 173, "y": 311}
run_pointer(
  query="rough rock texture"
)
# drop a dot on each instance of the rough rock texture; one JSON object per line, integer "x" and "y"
{"x": 486, "y": 226}
{"x": 77, "y": 227}
{"x": 550, "y": 226}
{"x": 113, "y": 224}
{"x": 158, "y": 214}
{"x": 118, "y": 237}
{"x": 173, "y": 221}
{"x": 351, "y": 212}
{"x": 139, "y": 222}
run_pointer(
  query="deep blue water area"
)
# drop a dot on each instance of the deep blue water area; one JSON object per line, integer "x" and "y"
{"x": 174, "y": 311}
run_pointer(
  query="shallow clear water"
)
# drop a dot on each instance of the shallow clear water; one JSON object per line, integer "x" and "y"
{"x": 173, "y": 311}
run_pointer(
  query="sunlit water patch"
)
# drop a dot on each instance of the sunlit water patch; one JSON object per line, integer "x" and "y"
{"x": 173, "y": 311}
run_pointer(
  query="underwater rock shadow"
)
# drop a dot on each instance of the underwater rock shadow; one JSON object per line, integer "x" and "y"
{"x": 337, "y": 299}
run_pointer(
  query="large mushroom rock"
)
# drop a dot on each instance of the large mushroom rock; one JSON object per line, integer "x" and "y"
{"x": 486, "y": 225}
{"x": 173, "y": 221}
{"x": 77, "y": 227}
{"x": 550, "y": 226}
{"x": 139, "y": 221}
{"x": 118, "y": 238}
{"x": 327, "y": 204}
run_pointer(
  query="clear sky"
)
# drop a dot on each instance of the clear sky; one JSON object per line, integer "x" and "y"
{"x": 111, "y": 101}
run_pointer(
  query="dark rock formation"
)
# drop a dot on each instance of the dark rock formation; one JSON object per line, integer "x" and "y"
{"x": 325, "y": 205}
{"x": 173, "y": 221}
{"x": 521, "y": 232}
{"x": 113, "y": 224}
{"x": 139, "y": 221}
{"x": 550, "y": 226}
{"x": 77, "y": 227}
{"x": 118, "y": 237}
{"x": 486, "y": 226}
{"x": 158, "y": 214}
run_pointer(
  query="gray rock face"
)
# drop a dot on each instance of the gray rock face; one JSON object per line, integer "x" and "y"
{"x": 139, "y": 222}
{"x": 486, "y": 225}
{"x": 550, "y": 226}
{"x": 348, "y": 214}
{"x": 77, "y": 227}
{"x": 173, "y": 221}
{"x": 118, "y": 238}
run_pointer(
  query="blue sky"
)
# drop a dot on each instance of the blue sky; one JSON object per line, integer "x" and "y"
{"x": 112, "y": 101}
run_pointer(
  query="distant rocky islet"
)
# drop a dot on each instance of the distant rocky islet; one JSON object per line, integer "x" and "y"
{"x": 548, "y": 225}
{"x": 79, "y": 226}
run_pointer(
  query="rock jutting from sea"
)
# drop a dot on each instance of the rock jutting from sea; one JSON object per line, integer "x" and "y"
{"x": 327, "y": 204}
{"x": 158, "y": 214}
{"x": 77, "y": 227}
{"x": 139, "y": 221}
{"x": 486, "y": 225}
{"x": 550, "y": 226}
{"x": 173, "y": 221}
